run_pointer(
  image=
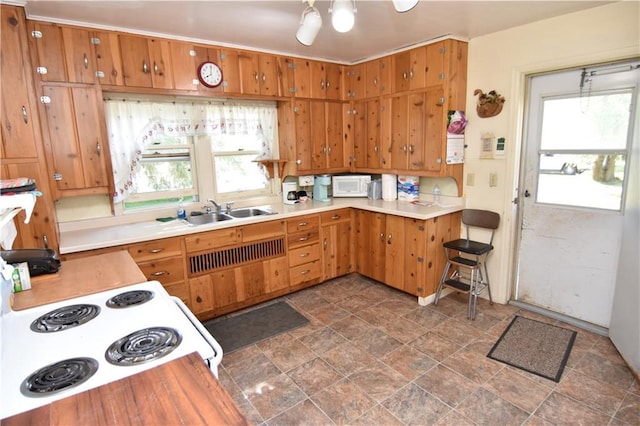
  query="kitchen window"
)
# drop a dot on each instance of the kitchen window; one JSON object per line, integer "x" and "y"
{"x": 167, "y": 150}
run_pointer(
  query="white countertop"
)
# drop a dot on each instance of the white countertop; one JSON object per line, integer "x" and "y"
{"x": 110, "y": 236}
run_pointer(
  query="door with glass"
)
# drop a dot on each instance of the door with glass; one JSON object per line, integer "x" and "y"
{"x": 578, "y": 139}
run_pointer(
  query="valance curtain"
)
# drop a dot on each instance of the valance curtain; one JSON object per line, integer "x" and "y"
{"x": 132, "y": 125}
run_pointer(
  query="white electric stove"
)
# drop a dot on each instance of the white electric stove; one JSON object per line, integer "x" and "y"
{"x": 105, "y": 342}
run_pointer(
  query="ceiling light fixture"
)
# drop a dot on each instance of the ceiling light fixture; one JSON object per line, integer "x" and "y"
{"x": 310, "y": 24}
{"x": 404, "y": 5}
{"x": 343, "y": 14}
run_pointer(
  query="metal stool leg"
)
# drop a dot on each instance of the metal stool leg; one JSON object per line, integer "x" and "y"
{"x": 486, "y": 274}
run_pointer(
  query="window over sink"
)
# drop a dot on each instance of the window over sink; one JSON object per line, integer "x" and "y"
{"x": 164, "y": 150}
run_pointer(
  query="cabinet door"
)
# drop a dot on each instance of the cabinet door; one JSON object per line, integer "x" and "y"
{"x": 184, "y": 66}
{"x": 334, "y": 135}
{"x": 78, "y": 149}
{"x": 360, "y": 117}
{"x": 336, "y": 250}
{"x": 249, "y": 64}
{"x": 399, "y": 132}
{"x": 435, "y": 54}
{"x": 231, "y": 75}
{"x": 401, "y": 70}
{"x": 48, "y": 48}
{"x": 370, "y": 244}
{"x": 270, "y": 81}
{"x": 302, "y": 121}
{"x": 374, "y": 143}
{"x": 136, "y": 65}
{"x": 356, "y": 89}
{"x": 160, "y": 60}
{"x": 385, "y": 132}
{"x": 20, "y": 124}
{"x": 108, "y": 60}
{"x": 318, "y": 86}
{"x": 276, "y": 276}
{"x": 418, "y": 68}
{"x": 334, "y": 81}
{"x": 318, "y": 135}
{"x": 394, "y": 255}
{"x": 201, "y": 291}
{"x": 373, "y": 79}
{"x": 79, "y": 55}
{"x": 417, "y": 123}
{"x": 415, "y": 243}
{"x": 435, "y": 136}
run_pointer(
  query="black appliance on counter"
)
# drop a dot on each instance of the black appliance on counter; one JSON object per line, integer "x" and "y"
{"x": 40, "y": 260}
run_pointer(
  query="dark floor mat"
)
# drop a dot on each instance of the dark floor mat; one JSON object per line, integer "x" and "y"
{"x": 234, "y": 332}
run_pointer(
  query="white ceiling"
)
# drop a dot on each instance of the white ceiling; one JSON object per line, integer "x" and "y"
{"x": 270, "y": 26}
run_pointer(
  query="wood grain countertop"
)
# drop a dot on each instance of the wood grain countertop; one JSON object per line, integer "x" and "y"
{"x": 180, "y": 392}
{"x": 80, "y": 277}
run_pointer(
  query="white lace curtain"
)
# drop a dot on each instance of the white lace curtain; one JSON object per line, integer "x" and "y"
{"x": 132, "y": 124}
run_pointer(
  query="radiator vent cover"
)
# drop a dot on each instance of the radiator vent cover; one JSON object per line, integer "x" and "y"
{"x": 238, "y": 255}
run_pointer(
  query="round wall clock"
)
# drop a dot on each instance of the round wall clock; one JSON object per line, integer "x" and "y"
{"x": 209, "y": 74}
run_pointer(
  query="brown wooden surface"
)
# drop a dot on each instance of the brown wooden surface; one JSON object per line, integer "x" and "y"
{"x": 80, "y": 277}
{"x": 180, "y": 392}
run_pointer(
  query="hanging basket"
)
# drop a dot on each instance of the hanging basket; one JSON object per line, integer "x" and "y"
{"x": 489, "y": 104}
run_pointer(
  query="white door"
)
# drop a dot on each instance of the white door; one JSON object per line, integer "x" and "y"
{"x": 578, "y": 139}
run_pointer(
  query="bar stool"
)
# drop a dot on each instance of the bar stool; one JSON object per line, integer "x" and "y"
{"x": 475, "y": 263}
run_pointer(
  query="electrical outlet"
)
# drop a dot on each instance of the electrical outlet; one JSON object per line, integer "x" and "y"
{"x": 471, "y": 179}
{"x": 493, "y": 179}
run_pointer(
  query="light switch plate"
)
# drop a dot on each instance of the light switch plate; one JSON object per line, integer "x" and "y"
{"x": 305, "y": 180}
{"x": 493, "y": 179}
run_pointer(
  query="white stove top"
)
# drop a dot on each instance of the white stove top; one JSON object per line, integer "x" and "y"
{"x": 25, "y": 351}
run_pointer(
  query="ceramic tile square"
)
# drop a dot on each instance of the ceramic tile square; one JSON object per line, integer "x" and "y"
{"x": 601, "y": 368}
{"x": 409, "y": 362}
{"x": 275, "y": 395}
{"x": 252, "y": 371}
{"x": 376, "y": 342}
{"x": 343, "y": 402}
{"x": 447, "y": 385}
{"x": 458, "y": 331}
{"x": 473, "y": 365}
{"x": 322, "y": 340}
{"x": 304, "y": 413}
{"x": 517, "y": 389}
{"x": 378, "y": 415}
{"x": 435, "y": 346}
{"x": 580, "y": 387}
{"x": 347, "y": 358}
{"x": 629, "y": 410}
{"x": 328, "y": 314}
{"x": 487, "y": 408}
{"x": 351, "y": 327}
{"x": 414, "y": 405}
{"x": 398, "y": 330}
{"x": 376, "y": 315}
{"x": 425, "y": 317}
{"x": 315, "y": 375}
{"x": 560, "y": 409}
{"x": 378, "y": 380}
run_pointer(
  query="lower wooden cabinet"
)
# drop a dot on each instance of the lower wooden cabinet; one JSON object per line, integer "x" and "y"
{"x": 336, "y": 238}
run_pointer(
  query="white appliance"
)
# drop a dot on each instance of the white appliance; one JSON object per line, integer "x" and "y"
{"x": 351, "y": 185}
{"x": 289, "y": 192}
{"x": 25, "y": 351}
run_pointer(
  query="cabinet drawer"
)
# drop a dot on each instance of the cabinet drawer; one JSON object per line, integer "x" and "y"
{"x": 180, "y": 290}
{"x": 304, "y": 254}
{"x": 303, "y": 223}
{"x": 212, "y": 239}
{"x": 334, "y": 216}
{"x": 305, "y": 272}
{"x": 298, "y": 239}
{"x": 156, "y": 249}
{"x": 262, "y": 230}
{"x": 165, "y": 270}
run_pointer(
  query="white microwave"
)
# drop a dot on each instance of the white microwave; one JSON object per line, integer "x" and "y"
{"x": 351, "y": 185}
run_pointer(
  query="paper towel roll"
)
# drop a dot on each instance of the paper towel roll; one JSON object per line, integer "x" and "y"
{"x": 389, "y": 187}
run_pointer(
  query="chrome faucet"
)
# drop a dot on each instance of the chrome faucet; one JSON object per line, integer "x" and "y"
{"x": 218, "y": 206}
{"x": 229, "y": 207}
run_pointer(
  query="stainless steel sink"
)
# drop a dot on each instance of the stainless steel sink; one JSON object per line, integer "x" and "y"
{"x": 249, "y": 212}
{"x": 201, "y": 218}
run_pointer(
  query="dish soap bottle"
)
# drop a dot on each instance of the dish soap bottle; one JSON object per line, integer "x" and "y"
{"x": 436, "y": 194}
{"x": 182, "y": 213}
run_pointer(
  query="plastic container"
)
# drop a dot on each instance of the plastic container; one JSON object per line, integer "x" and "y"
{"x": 182, "y": 213}
{"x": 436, "y": 194}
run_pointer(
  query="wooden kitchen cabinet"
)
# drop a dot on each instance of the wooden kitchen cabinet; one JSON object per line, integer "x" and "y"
{"x": 108, "y": 59}
{"x": 74, "y": 132}
{"x": 377, "y": 77}
{"x": 303, "y": 238}
{"x": 163, "y": 261}
{"x": 370, "y": 232}
{"x": 184, "y": 65}
{"x": 62, "y": 53}
{"x": 355, "y": 82}
{"x": 409, "y": 70}
{"x": 259, "y": 74}
{"x": 146, "y": 62}
{"x": 326, "y": 80}
{"x": 336, "y": 238}
{"x": 231, "y": 75}
{"x": 367, "y": 138}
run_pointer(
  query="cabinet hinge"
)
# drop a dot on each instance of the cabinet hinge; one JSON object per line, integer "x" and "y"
{"x": 293, "y": 89}
{"x": 36, "y": 34}
{"x": 57, "y": 176}
{"x": 99, "y": 74}
{"x": 193, "y": 53}
{"x": 41, "y": 70}
{"x": 443, "y": 50}
{"x": 441, "y": 76}
{"x": 95, "y": 41}
{"x": 225, "y": 83}
{"x": 291, "y": 65}
{"x": 420, "y": 289}
{"x": 421, "y": 228}
{"x": 420, "y": 259}
{"x": 195, "y": 82}
{"x": 222, "y": 56}
{"x": 45, "y": 99}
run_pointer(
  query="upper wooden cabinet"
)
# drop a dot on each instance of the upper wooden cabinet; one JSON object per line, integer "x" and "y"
{"x": 377, "y": 77}
{"x": 259, "y": 74}
{"x": 108, "y": 60}
{"x": 184, "y": 65}
{"x": 326, "y": 80}
{"x": 74, "y": 129}
{"x": 146, "y": 62}
{"x": 62, "y": 53}
{"x": 409, "y": 70}
{"x": 20, "y": 123}
{"x": 355, "y": 82}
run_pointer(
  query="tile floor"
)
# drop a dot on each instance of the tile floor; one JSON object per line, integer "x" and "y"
{"x": 372, "y": 356}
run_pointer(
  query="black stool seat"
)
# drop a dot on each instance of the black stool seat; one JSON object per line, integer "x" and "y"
{"x": 469, "y": 247}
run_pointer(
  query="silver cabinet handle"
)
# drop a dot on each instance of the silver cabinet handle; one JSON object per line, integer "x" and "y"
{"x": 404, "y": 75}
{"x": 322, "y": 84}
{"x": 45, "y": 241}
{"x": 411, "y": 149}
{"x": 305, "y": 272}
{"x": 25, "y": 117}
{"x": 85, "y": 60}
{"x": 155, "y": 68}
{"x": 145, "y": 67}
{"x": 155, "y": 250}
{"x": 303, "y": 238}
{"x": 335, "y": 217}
{"x": 305, "y": 254}
{"x": 255, "y": 75}
{"x": 375, "y": 82}
{"x": 264, "y": 77}
{"x": 404, "y": 149}
{"x": 324, "y": 244}
{"x": 327, "y": 83}
{"x": 390, "y": 239}
{"x": 411, "y": 74}
{"x": 159, "y": 273}
{"x": 98, "y": 148}
{"x": 382, "y": 236}
{"x": 303, "y": 223}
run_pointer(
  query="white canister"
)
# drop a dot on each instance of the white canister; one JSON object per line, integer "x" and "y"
{"x": 389, "y": 187}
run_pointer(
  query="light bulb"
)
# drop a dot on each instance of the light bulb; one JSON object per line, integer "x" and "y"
{"x": 404, "y": 5}
{"x": 343, "y": 15}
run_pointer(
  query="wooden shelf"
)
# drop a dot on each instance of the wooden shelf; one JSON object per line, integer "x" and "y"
{"x": 270, "y": 164}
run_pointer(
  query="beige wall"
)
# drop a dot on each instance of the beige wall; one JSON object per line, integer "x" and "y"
{"x": 501, "y": 61}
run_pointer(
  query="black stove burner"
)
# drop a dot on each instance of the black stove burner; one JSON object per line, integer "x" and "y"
{"x": 58, "y": 377}
{"x": 143, "y": 346}
{"x": 130, "y": 298}
{"x": 64, "y": 318}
